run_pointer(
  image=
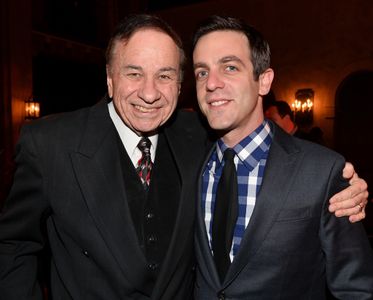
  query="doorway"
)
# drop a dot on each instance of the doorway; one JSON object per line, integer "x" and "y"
{"x": 353, "y": 131}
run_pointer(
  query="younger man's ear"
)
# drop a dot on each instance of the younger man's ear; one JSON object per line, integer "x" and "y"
{"x": 265, "y": 81}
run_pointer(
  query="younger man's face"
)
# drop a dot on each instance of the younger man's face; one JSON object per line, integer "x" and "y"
{"x": 227, "y": 92}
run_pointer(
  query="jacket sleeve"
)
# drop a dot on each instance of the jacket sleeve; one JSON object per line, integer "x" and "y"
{"x": 349, "y": 257}
{"x": 21, "y": 225}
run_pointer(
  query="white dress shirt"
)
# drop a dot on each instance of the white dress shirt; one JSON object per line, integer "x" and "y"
{"x": 129, "y": 138}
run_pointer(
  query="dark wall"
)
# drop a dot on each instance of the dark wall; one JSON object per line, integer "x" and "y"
{"x": 64, "y": 85}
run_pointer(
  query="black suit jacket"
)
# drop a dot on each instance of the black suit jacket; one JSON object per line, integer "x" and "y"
{"x": 293, "y": 247}
{"x": 69, "y": 183}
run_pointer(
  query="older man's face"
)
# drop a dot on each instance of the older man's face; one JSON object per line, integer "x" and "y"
{"x": 143, "y": 79}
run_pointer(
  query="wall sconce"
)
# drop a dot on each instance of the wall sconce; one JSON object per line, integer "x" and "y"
{"x": 32, "y": 108}
{"x": 303, "y": 107}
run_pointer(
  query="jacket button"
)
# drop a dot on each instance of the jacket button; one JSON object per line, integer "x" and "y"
{"x": 221, "y": 295}
{"x": 152, "y": 239}
{"x": 85, "y": 252}
{"x": 153, "y": 266}
{"x": 149, "y": 216}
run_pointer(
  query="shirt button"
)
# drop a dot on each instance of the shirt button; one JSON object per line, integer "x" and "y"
{"x": 153, "y": 266}
{"x": 152, "y": 239}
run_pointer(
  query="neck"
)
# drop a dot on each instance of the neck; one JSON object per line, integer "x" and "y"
{"x": 232, "y": 137}
{"x": 293, "y": 129}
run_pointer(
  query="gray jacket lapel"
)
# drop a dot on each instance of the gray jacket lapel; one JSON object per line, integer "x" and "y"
{"x": 283, "y": 160}
{"x": 203, "y": 251}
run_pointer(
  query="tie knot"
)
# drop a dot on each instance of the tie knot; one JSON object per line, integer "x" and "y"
{"x": 229, "y": 154}
{"x": 144, "y": 145}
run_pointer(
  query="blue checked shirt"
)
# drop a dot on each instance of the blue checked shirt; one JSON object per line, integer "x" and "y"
{"x": 250, "y": 160}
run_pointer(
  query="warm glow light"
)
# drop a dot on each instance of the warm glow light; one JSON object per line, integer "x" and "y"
{"x": 32, "y": 109}
{"x": 303, "y": 106}
{"x": 297, "y": 105}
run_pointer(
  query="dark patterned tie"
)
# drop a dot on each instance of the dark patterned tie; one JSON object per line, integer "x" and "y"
{"x": 225, "y": 214}
{"x": 144, "y": 165}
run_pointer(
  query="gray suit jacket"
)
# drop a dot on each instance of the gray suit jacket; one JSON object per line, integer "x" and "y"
{"x": 69, "y": 183}
{"x": 293, "y": 247}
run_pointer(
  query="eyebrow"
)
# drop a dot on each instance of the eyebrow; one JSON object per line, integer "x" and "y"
{"x": 139, "y": 68}
{"x": 199, "y": 65}
{"x": 222, "y": 60}
{"x": 230, "y": 58}
{"x": 168, "y": 69}
{"x": 132, "y": 67}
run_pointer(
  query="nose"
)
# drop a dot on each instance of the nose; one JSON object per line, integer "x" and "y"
{"x": 214, "y": 81}
{"x": 148, "y": 91}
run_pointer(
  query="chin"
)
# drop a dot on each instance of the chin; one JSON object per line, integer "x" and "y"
{"x": 218, "y": 125}
{"x": 148, "y": 128}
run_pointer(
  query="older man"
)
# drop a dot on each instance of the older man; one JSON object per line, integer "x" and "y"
{"x": 111, "y": 186}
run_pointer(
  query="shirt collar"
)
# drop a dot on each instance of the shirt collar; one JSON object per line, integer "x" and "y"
{"x": 252, "y": 148}
{"x": 128, "y": 137}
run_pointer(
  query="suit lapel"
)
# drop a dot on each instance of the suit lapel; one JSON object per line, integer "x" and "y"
{"x": 282, "y": 163}
{"x": 186, "y": 151}
{"x": 204, "y": 256}
{"x": 98, "y": 170}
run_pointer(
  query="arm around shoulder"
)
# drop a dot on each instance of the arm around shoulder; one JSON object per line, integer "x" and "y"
{"x": 348, "y": 255}
{"x": 353, "y": 199}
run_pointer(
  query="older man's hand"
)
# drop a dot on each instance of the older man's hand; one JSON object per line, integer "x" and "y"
{"x": 351, "y": 201}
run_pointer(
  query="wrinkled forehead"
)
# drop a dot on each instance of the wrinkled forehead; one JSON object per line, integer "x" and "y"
{"x": 149, "y": 46}
{"x": 147, "y": 37}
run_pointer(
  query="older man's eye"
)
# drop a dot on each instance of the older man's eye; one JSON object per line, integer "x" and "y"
{"x": 133, "y": 75}
{"x": 165, "y": 77}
